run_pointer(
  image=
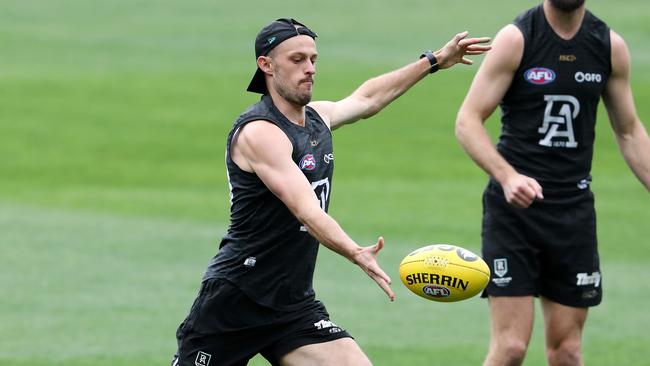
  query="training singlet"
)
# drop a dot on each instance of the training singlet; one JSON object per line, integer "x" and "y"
{"x": 266, "y": 252}
{"x": 549, "y": 112}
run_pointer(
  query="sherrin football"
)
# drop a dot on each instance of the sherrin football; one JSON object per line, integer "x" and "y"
{"x": 444, "y": 273}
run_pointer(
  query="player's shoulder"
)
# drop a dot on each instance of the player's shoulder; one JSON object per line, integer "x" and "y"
{"x": 260, "y": 128}
{"x": 510, "y": 34}
{"x": 507, "y": 48}
{"x": 617, "y": 42}
{"x": 324, "y": 109}
{"x": 620, "y": 55}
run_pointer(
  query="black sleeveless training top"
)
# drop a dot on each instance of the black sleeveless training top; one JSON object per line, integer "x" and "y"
{"x": 266, "y": 252}
{"x": 549, "y": 112}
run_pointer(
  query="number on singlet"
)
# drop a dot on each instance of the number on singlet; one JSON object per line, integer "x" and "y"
{"x": 558, "y": 128}
{"x": 322, "y": 190}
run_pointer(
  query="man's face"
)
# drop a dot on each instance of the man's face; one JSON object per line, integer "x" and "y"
{"x": 567, "y": 5}
{"x": 293, "y": 63}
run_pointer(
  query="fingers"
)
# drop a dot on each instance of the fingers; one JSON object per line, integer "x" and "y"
{"x": 384, "y": 286}
{"x": 382, "y": 280}
{"x": 377, "y": 274}
{"x": 524, "y": 193}
{"x": 534, "y": 185}
{"x": 458, "y": 37}
{"x": 380, "y": 244}
{"x": 473, "y": 41}
{"x": 478, "y": 47}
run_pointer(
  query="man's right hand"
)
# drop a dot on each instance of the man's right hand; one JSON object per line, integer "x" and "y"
{"x": 521, "y": 191}
{"x": 366, "y": 258}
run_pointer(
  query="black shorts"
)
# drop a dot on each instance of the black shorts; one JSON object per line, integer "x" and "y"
{"x": 548, "y": 249}
{"x": 226, "y": 328}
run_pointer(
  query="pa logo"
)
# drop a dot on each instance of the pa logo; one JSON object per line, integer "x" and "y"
{"x": 202, "y": 359}
{"x": 500, "y": 267}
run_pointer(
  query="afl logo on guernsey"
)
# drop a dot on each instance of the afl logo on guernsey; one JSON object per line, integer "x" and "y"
{"x": 308, "y": 162}
{"x": 539, "y": 75}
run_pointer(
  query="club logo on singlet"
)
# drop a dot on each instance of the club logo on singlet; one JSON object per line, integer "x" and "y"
{"x": 539, "y": 75}
{"x": 557, "y": 126}
{"x": 308, "y": 162}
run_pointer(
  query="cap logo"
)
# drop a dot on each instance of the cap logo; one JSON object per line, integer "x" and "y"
{"x": 271, "y": 40}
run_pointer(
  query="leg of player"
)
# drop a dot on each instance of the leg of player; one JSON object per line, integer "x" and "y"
{"x": 512, "y": 325}
{"x": 340, "y": 352}
{"x": 563, "y": 328}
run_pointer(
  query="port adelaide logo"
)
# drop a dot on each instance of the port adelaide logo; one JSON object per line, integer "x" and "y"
{"x": 539, "y": 75}
{"x": 308, "y": 162}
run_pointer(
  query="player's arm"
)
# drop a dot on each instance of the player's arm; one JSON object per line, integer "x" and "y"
{"x": 631, "y": 136}
{"x": 262, "y": 148}
{"x": 490, "y": 84}
{"x": 376, "y": 93}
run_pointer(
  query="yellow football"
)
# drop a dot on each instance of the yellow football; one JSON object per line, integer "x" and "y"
{"x": 444, "y": 273}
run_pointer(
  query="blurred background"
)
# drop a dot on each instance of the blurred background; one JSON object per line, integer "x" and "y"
{"x": 113, "y": 194}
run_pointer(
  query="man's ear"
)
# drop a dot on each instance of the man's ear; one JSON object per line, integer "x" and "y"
{"x": 264, "y": 63}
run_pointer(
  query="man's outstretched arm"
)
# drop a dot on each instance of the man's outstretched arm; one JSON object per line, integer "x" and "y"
{"x": 376, "y": 93}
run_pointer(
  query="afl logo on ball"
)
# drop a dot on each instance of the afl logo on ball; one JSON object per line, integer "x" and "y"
{"x": 436, "y": 291}
{"x": 308, "y": 162}
{"x": 539, "y": 75}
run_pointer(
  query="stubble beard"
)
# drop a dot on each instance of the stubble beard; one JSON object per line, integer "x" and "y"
{"x": 292, "y": 95}
{"x": 567, "y": 6}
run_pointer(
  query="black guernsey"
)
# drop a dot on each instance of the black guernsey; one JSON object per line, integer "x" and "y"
{"x": 549, "y": 112}
{"x": 267, "y": 253}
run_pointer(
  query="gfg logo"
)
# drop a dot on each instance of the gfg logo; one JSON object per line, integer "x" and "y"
{"x": 539, "y": 75}
{"x": 588, "y": 77}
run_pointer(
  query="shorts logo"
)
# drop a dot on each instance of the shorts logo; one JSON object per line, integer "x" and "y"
{"x": 539, "y": 75}
{"x": 584, "y": 183}
{"x": 326, "y": 324}
{"x": 308, "y": 162}
{"x": 500, "y": 269}
{"x": 202, "y": 359}
{"x": 585, "y": 279}
{"x": 250, "y": 262}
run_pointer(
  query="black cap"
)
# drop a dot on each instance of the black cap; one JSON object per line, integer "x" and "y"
{"x": 267, "y": 39}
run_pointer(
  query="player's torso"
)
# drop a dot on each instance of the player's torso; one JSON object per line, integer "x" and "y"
{"x": 549, "y": 112}
{"x": 266, "y": 247}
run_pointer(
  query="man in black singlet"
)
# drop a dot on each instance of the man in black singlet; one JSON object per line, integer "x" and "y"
{"x": 256, "y": 296}
{"x": 548, "y": 72}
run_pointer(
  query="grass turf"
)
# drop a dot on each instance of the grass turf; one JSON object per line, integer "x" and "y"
{"x": 113, "y": 195}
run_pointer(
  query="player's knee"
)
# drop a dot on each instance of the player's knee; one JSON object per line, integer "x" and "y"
{"x": 514, "y": 350}
{"x": 565, "y": 354}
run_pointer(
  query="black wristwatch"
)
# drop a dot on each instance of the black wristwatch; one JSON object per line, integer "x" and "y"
{"x": 432, "y": 59}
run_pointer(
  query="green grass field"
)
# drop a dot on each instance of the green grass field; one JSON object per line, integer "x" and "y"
{"x": 113, "y": 195}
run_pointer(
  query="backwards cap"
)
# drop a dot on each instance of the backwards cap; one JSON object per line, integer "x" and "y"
{"x": 267, "y": 39}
